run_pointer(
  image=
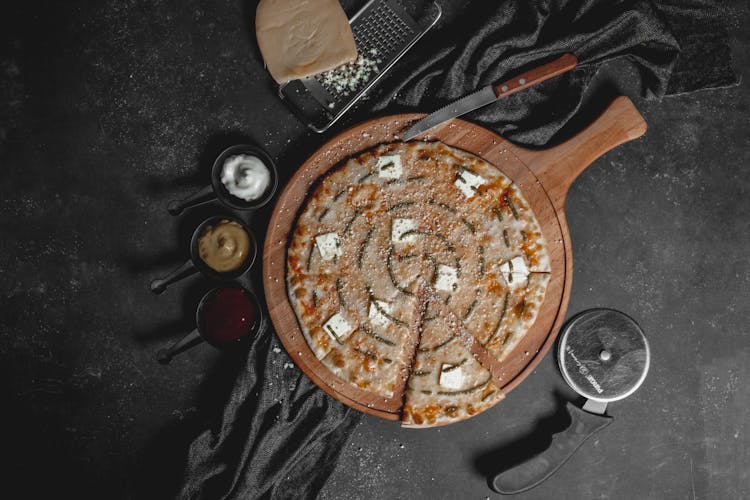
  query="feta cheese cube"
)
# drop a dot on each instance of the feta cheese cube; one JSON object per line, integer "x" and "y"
{"x": 451, "y": 376}
{"x": 328, "y": 245}
{"x": 338, "y": 327}
{"x": 376, "y": 315}
{"x": 515, "y": 271}
{"x": 447, "y": 278}
{"x": 390, "y": 167}
{"x": 401, "y": 226}
{"x": 467, "y": 182}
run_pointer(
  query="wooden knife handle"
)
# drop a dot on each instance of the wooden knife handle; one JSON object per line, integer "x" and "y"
{"x": 561, "y": 65}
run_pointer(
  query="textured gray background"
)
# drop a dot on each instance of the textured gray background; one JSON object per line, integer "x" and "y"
{"x": 109, "y": 109}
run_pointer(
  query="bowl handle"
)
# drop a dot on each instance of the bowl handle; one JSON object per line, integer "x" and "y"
{"x": 160, "y": 285}
{"x": 190, "y": 339}
{"x": 205, "y": 195}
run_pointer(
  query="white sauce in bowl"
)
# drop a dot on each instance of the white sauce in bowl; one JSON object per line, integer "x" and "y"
{"x": 245, "y": 176}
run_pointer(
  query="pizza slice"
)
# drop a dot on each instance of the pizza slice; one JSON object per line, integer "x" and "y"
{"x": 447, "y": 382}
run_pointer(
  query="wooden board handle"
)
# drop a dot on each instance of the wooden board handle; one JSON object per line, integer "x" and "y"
{"x": 561, "y": 65}
{"x": 557, "y": 167}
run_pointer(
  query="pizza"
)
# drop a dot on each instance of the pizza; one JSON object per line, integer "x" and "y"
{"x": 414, "y": 269}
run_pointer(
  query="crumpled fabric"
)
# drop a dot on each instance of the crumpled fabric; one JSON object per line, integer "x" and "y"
{"x": 667, "y": 47}
{"x": 279, "y": 436}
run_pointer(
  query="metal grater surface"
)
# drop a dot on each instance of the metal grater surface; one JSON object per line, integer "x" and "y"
{"x": 383, "y": 32}
{"x": 380, "y": 36}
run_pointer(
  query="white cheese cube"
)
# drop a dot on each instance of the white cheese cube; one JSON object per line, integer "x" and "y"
{"x": 376, "y": 315}
{"x": 447, "y": 278}
{"x": 328, "y": 245}
{"x": 519, "y": 265}
{"x": 338, "y": 327}
{"x": 451, "y": 376}
{"x": 401, "y": 226}
{"x": 389, "y": 167}
{"x": 467, "y": 182}
{"x": 515, "y": 271}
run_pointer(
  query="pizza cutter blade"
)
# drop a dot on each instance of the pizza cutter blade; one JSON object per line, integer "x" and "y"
{"x": 603, "y": 355}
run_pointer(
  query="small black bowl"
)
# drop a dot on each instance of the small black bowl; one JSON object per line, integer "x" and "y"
{"x": 221, "y": 191}
{"x": 196, "y": 264}
{"x": 198, "y": 335}
{"x": 217, "y": 190}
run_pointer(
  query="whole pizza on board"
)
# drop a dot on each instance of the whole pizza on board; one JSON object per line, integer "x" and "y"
{"x": 414, "y": 269}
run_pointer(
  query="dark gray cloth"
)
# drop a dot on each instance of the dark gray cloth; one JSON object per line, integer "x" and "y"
{"x": 484, "y": 42}
{"x": 280, "y": 436}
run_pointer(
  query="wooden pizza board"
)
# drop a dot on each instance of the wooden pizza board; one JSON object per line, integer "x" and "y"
{"x": 543, "y": 176}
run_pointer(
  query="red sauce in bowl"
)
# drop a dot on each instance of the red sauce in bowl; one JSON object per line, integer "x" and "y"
{"x": 229, "y": 315}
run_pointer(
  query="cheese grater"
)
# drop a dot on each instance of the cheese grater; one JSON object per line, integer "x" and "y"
{"x": 383, "y": 32}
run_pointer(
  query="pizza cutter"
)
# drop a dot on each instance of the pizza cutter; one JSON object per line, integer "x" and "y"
{"x": 603, "y": 356}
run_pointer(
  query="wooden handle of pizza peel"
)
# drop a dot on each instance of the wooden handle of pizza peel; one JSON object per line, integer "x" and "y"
{"x": 561, "y": 65}
{"x": 557, "y": 167}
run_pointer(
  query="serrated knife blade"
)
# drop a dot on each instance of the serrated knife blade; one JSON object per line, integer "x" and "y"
{"x": 491, "y": 93}
{"x": 460, "y": 107}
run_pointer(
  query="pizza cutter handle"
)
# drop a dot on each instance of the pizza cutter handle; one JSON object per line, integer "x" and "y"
{"x": 205, "y": 195}
{"x": 537, "y": 469}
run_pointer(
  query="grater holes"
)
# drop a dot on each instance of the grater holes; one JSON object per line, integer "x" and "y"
{"x": 380, "y": 29}
{"x": 383, "y": 30}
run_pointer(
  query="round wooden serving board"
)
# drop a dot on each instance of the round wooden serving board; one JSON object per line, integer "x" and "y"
{"x": 543, "y": 176}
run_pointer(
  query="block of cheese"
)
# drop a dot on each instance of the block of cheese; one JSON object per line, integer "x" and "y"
{"x": 299, "y": 38}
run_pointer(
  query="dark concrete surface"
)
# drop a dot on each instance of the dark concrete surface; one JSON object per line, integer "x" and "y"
{"x": 110, "y": 109}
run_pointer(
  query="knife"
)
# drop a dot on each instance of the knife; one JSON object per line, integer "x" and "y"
{"x": 491, "y": 93}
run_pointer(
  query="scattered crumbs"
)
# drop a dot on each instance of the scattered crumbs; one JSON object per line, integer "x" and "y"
{"x": 276, "y": 350}
{"x": 288, "y": 365}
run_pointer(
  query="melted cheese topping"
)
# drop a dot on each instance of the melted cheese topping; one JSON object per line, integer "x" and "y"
{"x": 375, "y": 314}
{"x": 467, "y": 182}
